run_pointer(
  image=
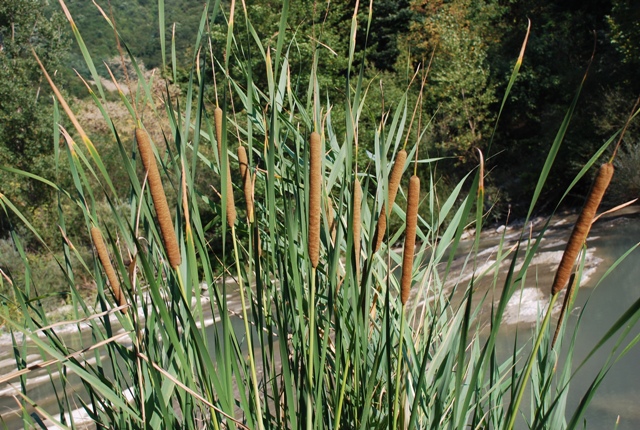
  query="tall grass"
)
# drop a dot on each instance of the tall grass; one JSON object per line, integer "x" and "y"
{"x": 328, "y": 341}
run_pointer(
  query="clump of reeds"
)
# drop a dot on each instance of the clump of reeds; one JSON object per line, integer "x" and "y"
{"x": 103, "y": 255}
{"x": 159, "y": 198}
{"x": 315, "y": 188}
{"x": 582, "y": 227}
{"x": 245, "y": 174}
{"x": 410, "y": 238}
{"x": 394, "y": 184}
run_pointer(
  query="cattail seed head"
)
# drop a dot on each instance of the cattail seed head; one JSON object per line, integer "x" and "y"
{"x": 410, "y": 238}
{"x": 582, "y": 227}
{"x": 217, "y": 116}
{"x": 159, "y": 198}
{"x": 246, "y": 181}
{"x": 315, "y": 188}
{"x": 357, "y": 220}
{"x": 103, "y": 255}
{"x": 231, "y": 206}
{"x": 394, "y": 183}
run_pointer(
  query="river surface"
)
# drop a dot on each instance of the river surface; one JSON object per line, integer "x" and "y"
{"x": 617, "y": 398}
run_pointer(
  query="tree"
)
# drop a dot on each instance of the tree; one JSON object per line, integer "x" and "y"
{"x": 460, "y": 90}
{"x": 25, "y": 107}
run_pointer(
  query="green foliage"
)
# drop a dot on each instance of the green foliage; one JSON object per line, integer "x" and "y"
{"x": 624, "y": 20}
{"x": 25, "y": 103}
{"x": 137, "y": 24}
{"x": 460, "y": 91}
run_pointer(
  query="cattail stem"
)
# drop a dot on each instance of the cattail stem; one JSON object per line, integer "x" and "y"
{"x": 582, "y": 227}
{"x": 568, "y": 299}
{"x": 315, "y": 188}
{"x": 394, "y": 184}
{"x": 248, "y": 338}
{"x": 103, "y": 255}
{"x": 246, "y": 181}
{"x": 410, "y": 238}
{"x": 159, "y": 198}
{"x": 396, "y": 397}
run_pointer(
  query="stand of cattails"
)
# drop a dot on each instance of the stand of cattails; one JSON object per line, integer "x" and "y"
{"x": 159, "y": 198}
{"x": 394, "y": 184}
{"x": 410, "y": 238}
{"x": 103, "y": 255}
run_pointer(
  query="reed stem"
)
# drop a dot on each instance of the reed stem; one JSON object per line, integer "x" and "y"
{"x": 252, "y": 362}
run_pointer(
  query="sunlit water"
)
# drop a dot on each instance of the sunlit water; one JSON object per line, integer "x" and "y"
{"x": 619, "y": 394}
{"x": 601, "y": 302}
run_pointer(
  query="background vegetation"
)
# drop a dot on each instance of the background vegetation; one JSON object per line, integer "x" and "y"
{"x": 468, "y": 46}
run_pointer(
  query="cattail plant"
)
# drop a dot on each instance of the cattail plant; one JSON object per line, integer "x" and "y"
{"x": 394, "y": 184}
{"x": 103, "y": 255}
{"x": 315, "y": 188}
{"x": 245, "y": 174}
{"x": 582, "y": 227}
{"x": 159, "y": 198}
{"x": 410, "y": 238}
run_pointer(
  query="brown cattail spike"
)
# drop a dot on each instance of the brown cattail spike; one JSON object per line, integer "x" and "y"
{"x": 103, "y": 255}
{"x": 217, "y": 116}
{"x": 394, "y": 184}
{"x": 357, "y": 220}
{"x": 315, "y": 188}
{"x": 231, "y": 206}
{"x": 582, "y": 227}
{"x": 159, "y": 198}
{"x": 410, "y": 238}
{"x": 246, "y": 181}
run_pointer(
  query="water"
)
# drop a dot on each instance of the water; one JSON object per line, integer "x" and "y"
{"x": 42, "y": 384}
{"x": 619, "y": 395}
